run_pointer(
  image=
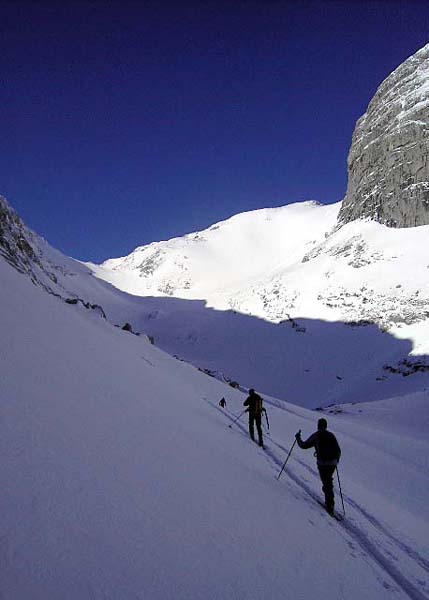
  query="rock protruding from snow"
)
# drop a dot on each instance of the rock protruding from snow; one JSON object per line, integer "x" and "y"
{"x": 47, "y": 268}
{"x": 388, "y": 162}
{"x": 18, "y": 245}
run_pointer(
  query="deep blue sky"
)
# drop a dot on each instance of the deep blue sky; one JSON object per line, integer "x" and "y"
{"x": 128, "y": 122}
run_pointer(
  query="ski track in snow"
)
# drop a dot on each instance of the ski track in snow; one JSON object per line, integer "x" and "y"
{"x": 148, "y": 361}
{"x": 378, "y": 545}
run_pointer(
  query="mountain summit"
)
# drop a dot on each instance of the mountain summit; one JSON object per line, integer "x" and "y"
{"x": 388, "y": 162}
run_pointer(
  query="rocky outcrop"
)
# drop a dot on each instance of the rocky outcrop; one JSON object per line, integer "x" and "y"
{"x": 23, "y": 250}
{"x": 18, "y": 245}
{"x": 388, "y": 163}
{"x": 96, "y": 307}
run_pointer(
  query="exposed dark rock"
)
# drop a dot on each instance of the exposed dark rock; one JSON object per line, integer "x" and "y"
{"x": 87, "y": 305}
{"x": 388, "y": 163}
{"x": 359, "y": 323}
{"x": 407, "y": 367}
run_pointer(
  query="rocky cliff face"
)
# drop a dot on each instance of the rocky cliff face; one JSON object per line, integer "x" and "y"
{"x": 17, "y": 243}
{"x": 30, "y": 254}
{"x": 388, "y": 162}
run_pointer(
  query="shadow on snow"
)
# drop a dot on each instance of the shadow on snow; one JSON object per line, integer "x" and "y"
{"x": 304, "y": 361}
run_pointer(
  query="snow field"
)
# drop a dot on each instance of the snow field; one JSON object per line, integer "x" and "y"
{"x": 282, "y": 282}
{"x": 121, "y": 481}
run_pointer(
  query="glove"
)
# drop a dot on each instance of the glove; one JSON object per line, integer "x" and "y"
{"x": 298, "y": 434}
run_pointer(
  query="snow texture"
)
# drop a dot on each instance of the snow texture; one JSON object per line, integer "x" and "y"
{"x": 282, "y": 300}
{"x": 122, "y": 479}
{"x": 277, "y": 299}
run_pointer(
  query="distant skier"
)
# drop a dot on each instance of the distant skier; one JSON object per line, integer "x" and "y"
{"x": 255, "y": 410}
{"x": 222, "y": 402}
{"x": 328, "y": 454}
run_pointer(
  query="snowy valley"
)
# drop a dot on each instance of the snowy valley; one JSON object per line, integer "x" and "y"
{"x": 281, "y": 300}
{"x": 122, "y": 476}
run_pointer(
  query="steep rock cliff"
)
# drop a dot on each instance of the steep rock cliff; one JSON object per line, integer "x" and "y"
{"x": 388, "y": 162}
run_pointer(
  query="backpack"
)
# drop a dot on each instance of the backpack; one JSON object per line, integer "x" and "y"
{"x": 327, "y": 447}
{"x": 258, "y": 405}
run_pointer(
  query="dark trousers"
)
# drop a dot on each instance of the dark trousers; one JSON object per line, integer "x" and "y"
{"x": 254, "y": 418}
{"x": 326, "y": 473}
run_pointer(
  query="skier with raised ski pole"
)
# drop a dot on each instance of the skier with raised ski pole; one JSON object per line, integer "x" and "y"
{"x": 328, "y": 453}
{"x": 255, "y": 410}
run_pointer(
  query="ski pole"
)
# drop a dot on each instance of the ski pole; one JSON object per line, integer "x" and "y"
{"x": 284, "y": 464}
{"x": 264, "y": 428}
{"x": 235, "y": 420}
{"x": 266, "y": 416}
{"x": 341, "y": 493}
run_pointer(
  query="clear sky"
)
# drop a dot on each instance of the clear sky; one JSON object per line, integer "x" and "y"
{"x": 125, "y": 122}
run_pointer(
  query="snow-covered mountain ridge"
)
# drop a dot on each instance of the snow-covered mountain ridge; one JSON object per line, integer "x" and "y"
{"x": 292, "y": 263}
{"x": 279, "y": 324}
{"x": 228, "y": 255}
{"x": 316, "y": 262}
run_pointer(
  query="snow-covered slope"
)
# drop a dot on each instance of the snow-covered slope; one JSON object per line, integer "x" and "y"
{"x": 289, "y": 262}
{"x": 224, "y": 258}
{"x": 121, "y": 478}
{"x": 283, "y": 300}
{"x": 279, "y": 327}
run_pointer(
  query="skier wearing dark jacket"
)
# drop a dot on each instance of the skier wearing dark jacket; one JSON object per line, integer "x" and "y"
{"x": 255, "y": 410}
{"x": 328, "y": 454}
